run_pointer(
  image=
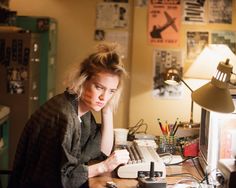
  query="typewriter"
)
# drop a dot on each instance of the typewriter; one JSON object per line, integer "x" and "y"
{"x": 141, "y": 156}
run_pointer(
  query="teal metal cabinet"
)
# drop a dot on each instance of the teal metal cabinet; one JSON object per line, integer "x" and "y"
{"x": 4, "y": 143}
{"x": 46, "y": 27}
{"x": 19, "y": 85}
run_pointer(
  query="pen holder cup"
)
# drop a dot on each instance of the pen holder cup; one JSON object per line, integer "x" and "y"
{"x": 166, "y": 144}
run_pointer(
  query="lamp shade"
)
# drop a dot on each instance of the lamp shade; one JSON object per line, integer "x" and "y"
{"x": 215, "y": 95}
{"x": 206, "y": 63}
{"x": 172, "y": 77}
{"x": 212, "y": 98}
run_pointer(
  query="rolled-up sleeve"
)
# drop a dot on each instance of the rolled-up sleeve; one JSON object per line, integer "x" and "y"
{"x": 73, "y": 174}
{"x": 74, "y": 169}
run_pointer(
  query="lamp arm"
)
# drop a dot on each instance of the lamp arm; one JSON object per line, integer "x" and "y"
{"x": 186, "y": 85}
{"x": 191, "y": 113}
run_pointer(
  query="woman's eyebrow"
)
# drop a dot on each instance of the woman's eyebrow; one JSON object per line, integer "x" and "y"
{"x": 101, "y": 85}
{"x": 98, "y": 83}
{"x": 113, "y": 90}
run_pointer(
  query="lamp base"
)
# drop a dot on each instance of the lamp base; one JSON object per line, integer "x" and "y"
{"x": 189, "y": 125}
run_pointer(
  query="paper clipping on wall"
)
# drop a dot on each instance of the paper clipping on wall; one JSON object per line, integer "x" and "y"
{"x": 196, "y": 41}
{"x": 164, "y": 23}
{"x": 120, "y": 37}
{"x": 112, "y": 15}
{"x": 164, "y": 60}
{"x": 220, "y": 11}
{"x": 224, "y": 37}
{"x": 194, "y": 11}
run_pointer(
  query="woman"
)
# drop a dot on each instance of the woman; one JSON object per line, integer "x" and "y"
{"x": 61, "y": 137}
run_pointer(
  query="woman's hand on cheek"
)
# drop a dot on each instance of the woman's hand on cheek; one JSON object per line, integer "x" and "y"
{"x": 107, "y": 109}
{"x": 117, "y": 158}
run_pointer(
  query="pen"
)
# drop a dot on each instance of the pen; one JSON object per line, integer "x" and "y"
{"x": 160, "y": 124}
{"x": 174, "y": 127}
{"x": 167, "y": 129}
{"x": 171, "y": 129}
{"x": 177, "y": 126}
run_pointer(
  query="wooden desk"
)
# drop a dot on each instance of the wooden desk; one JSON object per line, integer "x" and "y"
{"x": 187, "y": 167}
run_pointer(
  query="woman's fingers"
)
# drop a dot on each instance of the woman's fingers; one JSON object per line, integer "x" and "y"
{"x": 117, "y": 158}
{"x": 122, "y": 156}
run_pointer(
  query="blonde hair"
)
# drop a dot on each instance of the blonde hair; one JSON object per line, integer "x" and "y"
{"x": 104, "y": 59}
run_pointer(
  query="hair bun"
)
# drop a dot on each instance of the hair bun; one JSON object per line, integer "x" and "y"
{"x": 107, "y": 47}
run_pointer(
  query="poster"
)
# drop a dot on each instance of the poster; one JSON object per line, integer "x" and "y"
{"x": 141, "y": 3}
{"x": 164, "y": 22}
{"x": 220, "y": 11}
{"x": 16, "y": 77}
{"x": 194, "y": 11}
{"x": 163, "y": 61}
{"x": 196, "y": 41}
{"x": 225, "y": 37}
{"x": 112, "y": 15}
{"x": 120, "y": 37}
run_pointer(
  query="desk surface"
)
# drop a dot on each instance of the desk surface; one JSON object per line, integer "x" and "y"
{"x": 187, "y": 167}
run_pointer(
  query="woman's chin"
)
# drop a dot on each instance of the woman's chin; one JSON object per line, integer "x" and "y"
{"x": 97, "y": 109}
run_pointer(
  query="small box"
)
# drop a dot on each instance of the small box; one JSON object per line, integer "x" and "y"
{"x": 191, "y": 149}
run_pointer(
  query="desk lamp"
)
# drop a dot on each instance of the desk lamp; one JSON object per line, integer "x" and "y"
{"x": 173, "y": 77}
{"x": 215, "y": 95}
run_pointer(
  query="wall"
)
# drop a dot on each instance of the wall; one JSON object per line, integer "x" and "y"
{"x": 142, "y": 104}
{"x": 75, "y": 40}
{"x": 76, "y": 25}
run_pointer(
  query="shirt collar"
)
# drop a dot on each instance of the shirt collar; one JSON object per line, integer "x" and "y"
{"x": 73, "y": 99}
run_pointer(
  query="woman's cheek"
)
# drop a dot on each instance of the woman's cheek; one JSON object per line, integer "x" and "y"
{"x": 86, "y": 97}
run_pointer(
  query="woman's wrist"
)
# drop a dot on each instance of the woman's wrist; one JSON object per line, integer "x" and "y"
{"x": 107, "y": 110}
{"x": 102, "y": 168}
{"x": 107, "y": 117}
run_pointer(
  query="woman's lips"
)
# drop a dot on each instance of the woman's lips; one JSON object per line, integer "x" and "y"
{"x": 100, "y": 104}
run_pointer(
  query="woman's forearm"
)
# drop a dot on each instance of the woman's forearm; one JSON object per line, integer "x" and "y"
{"x": 115, "y": 159}
{"x": 107, "y": 131}
{"x": 96, "y": 169}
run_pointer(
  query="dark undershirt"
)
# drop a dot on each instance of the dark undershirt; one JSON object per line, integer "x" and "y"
{"x": 85, "y": 133}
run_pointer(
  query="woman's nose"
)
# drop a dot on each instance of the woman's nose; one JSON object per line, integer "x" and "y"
{"x": 103, "y": 96}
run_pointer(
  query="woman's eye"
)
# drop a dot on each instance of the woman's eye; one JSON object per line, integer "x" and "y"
{"x": 112, "y": 91}
{"x": 98, "y": 87}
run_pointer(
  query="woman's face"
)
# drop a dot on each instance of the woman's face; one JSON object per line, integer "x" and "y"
{"x": 98, "y": 91}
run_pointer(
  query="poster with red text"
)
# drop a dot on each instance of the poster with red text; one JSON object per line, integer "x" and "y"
{"x": 164, "y": 17}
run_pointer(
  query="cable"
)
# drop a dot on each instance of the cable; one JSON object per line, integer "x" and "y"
{"x": 212, "y": 180}
{"x": 179, "y": 162}
{"x": 206, "y": 176}
{"x": 163, "y": 156}
{"x": 171, "y": 156}
{"x": 192, "y": 179}
{"x": 187, "y": 175}
{"x": 134, "y": 130}
{"x": 196, "y": 165}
